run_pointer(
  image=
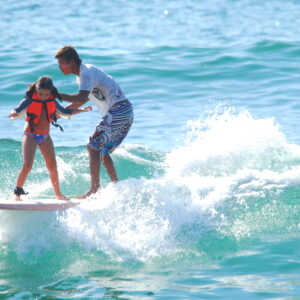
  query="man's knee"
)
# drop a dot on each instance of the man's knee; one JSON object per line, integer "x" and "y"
{"x": 105, "y": 158}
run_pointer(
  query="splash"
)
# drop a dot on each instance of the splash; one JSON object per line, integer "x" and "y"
{"x": 233, "y": 178}
{"x": 228, "y": 141}
{"x": 229, "y": 168}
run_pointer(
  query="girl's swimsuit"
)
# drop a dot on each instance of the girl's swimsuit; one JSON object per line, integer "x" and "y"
{"x": 112, "y": 128}
{"x": 39, "y": 138}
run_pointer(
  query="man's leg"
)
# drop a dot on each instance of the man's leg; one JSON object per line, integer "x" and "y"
{"x": 94, "y": 172}
{"x": 94, "y": 169}
{"x": 109, "y": 166}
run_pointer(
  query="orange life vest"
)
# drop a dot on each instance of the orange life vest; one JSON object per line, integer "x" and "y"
{"x": 34, "y": 110}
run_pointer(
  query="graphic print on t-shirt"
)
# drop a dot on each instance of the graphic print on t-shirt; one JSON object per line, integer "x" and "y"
{"x": 97, "y": 93}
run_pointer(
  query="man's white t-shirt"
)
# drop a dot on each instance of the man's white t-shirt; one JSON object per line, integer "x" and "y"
{"x": 105, "y": 92}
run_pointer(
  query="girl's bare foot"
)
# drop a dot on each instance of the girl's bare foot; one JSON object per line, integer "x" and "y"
{"x": 18, "y": 192}
{"x": 17, "y": 198}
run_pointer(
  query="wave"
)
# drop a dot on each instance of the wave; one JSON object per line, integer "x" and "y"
{"x": 274, "y": 46}
{"x": 234, "y": 179}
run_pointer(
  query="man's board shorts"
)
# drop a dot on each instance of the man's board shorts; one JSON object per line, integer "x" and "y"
{"x": 112, "y": 128}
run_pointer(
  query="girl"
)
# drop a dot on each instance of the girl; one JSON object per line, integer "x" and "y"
{"x": 41, "y": 109}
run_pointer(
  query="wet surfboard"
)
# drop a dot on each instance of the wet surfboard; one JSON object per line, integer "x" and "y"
{"x": 38, "y": 204}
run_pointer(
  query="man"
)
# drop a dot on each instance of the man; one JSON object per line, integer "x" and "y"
{"x": 106, "y": 94}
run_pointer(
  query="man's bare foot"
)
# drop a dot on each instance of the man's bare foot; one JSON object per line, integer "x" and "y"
{"x": 62, "y": 197}
{"x": 86, "y": 195}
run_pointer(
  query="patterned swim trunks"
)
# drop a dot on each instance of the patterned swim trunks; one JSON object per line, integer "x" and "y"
{"x": 112, "y": 128}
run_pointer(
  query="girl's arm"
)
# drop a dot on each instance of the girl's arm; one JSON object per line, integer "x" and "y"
{"x": 20, "y": 109}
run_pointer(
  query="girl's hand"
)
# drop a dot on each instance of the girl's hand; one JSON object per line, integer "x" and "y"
{"x": 13, "y": 115}
{"x": 87, "y": 108}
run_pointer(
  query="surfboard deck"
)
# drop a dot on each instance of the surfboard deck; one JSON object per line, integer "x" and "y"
{"x": 38, "y": 204}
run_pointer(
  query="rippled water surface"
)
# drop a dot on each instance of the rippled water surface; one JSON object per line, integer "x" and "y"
{"x": 208, "y": 202}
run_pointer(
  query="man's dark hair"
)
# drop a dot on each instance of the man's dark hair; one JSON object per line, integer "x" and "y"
{"x": 68, "y": 53}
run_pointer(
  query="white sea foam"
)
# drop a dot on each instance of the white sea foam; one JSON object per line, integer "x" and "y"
{"x": 228, "y": 156}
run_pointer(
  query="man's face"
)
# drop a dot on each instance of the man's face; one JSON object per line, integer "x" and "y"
{"x": 65, "y": 66}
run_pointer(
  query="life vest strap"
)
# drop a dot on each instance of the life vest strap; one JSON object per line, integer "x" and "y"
{"x": 57, "y": 125}
{"x": 54, "y": 122}
{"x": 31, "y": 118}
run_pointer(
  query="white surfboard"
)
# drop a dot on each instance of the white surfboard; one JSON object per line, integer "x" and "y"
{"x": 38, "y": 204}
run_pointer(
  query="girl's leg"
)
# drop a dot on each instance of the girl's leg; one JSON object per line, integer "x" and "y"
{"x": 28, "y": 150}
{"x": 109, "y": 166}
{"x": 48, "y": 152}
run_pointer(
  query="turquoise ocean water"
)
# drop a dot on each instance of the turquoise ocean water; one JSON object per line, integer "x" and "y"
{"x": 208, "y": 202}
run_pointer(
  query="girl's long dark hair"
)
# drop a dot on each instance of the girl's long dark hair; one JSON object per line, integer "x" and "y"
{"x": 44, "y": 82}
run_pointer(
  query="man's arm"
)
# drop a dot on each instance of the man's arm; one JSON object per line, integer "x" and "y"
{"x": 76, "y": 99}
